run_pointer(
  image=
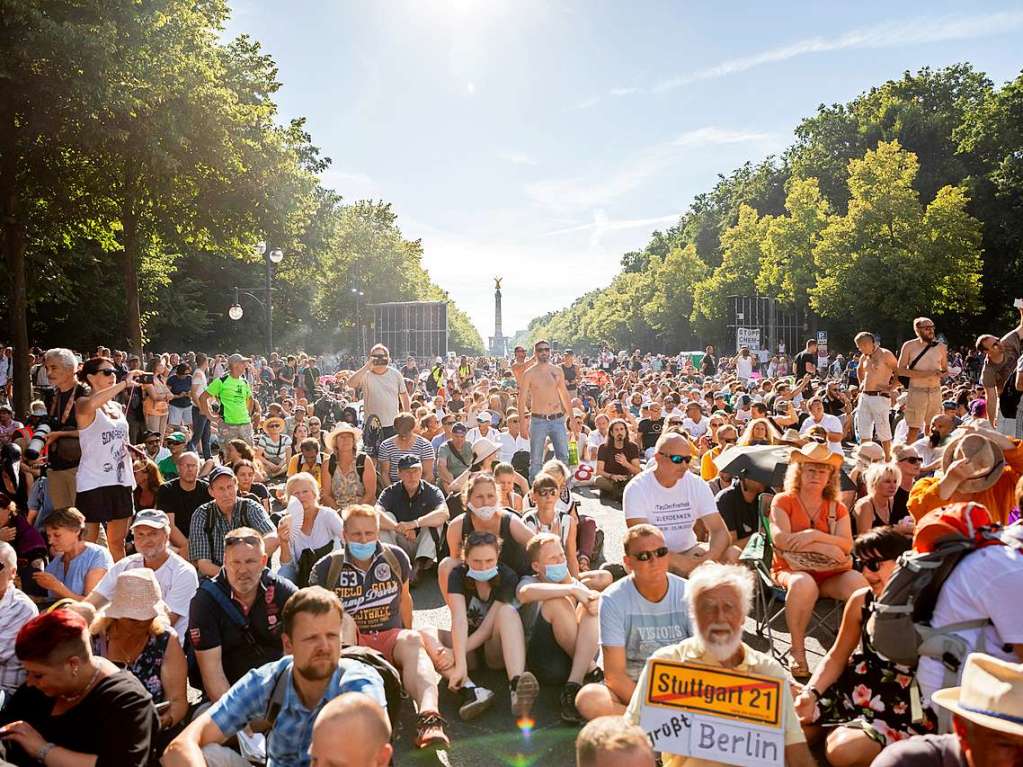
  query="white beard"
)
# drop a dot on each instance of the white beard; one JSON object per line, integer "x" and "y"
{"x": 722, "y": 650}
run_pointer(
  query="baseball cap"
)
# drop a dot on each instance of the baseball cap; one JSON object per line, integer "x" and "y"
{"x": 151, "y": 518}
{"x": 177, "y": 438}
{"x": 483, "y": 418}
{"x": 218, "y": 472}
{"x": 236, "y": 359}
{"x": 949, "y": 405}
{"x": 409, "y": 462}
{"x": 459, "y": 428}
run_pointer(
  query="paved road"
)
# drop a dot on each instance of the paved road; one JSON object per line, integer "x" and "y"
{"x": 493, "y": 740}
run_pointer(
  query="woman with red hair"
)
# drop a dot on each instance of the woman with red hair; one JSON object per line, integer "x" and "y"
{"x": 63, "y": 712}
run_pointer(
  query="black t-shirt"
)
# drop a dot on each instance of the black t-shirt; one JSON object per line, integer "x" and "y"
{"x": 181, "y": 386}
{"x": 119, "y": 698}
{"x": 57, "y": 404}
{"x": 805, "y": 362}
{"x": 171, "y": 498}
{"x": 502, "y": 589}
{"x": 242, "y": 647}
{"x": 311, "y": 377}
{"x": 834, "y": 406}
{"x": 650, "y": 431}
{"x": 513, "y": 553}
{"x": 258, "y": 493}
{"x": 571, "y": 373}
{"x": 740, "y": 516}
{"x": 395, "y": 499}
{"x": 608, "y": 451}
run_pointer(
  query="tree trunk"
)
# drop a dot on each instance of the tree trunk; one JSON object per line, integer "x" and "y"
{"x": 130, "y": 268}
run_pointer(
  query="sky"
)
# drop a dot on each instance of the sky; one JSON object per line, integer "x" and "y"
{"x": 539, "y": 141}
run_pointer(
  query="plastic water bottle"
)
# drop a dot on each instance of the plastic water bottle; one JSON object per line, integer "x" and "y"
{"x": 573, "y": 453}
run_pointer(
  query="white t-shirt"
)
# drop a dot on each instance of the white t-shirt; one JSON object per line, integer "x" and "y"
{"x": 830, "y": 424}
{"x": 744, "y": 366}
{"x": 510, "y": 445}
{"x": 198, "y": 384}
{"x": 1000, "y": 569}
{"x": 673, "y": 510}
{"x": 326, "y": 527}
{"x": 178, "y": 582}
{"x": 696, "y": 429}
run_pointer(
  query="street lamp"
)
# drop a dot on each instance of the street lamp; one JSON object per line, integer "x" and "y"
{"x": 358, "y": 323}
{"x": 236, "y": 311}
{"x": 272, "y": 257}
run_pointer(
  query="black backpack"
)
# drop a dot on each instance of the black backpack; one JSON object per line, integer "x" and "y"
{"x": 1009, "y": 397}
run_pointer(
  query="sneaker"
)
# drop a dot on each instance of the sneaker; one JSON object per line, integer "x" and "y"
{"x": 474, "y": 701}
{"x": 569, "y": 713}
{"x": 524, "y": 690}
{"x": 430, "y": 730}
{"x": 594, "y": 677}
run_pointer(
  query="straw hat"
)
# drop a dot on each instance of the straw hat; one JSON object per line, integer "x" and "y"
{"x": 137, "y": 596}
{"x": 986, "y": 461}
{"x": 342, "y": 428}
{"x": 815, "y": 452}
{"x": 483, "y": 448}
{"x": 791, "y": 437}
{"x": 867, "y": 453}
{"x": 991, "y": 694}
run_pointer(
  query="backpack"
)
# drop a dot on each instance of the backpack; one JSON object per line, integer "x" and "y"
{"x": 899, "y": 625}
{"x": 1009, "y": 397}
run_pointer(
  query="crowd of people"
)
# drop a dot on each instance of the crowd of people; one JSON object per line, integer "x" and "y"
{"x": 222, "y": 554}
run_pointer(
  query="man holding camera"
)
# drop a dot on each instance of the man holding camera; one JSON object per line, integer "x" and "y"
{"x": 63, "y": 452}
{"x": 1001, "y": 358}
{"x": 383, "y": 390}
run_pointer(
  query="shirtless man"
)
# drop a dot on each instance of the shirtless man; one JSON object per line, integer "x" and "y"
{"x": 875, "y": 372}
{"x": 521, "y": 365}
{"x": 924, "y": 400}
{"x": 542, "y": 393}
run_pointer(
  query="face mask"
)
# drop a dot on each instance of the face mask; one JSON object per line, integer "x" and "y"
{"x": 556, "y": 573}
{"x": 483, "y": 575}
{"x": 361, "y": 551}
{"x": 485, "y": 512}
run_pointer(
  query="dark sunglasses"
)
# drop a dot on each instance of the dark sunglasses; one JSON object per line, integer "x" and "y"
{"x": 911, "y": 459}
{"x": 677, "y": 459}
{"x": 646, "y": 556}
{"x": 105, "y": 372}
{"x": 870, "y": 564}
{"x": 252, "y": 540}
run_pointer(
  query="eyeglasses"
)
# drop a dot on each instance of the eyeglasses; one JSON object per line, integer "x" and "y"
{"x": 870, "y": 564}
{"x": 911, "y": 459}
{"x": 251, "y": 540}
{"x": 546, "y": 491}
{"x": 677, "y": 459}
{"x": 105, "y": 372}
{"x": 646, "y": 556}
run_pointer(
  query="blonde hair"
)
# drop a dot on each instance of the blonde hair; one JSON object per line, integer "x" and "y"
{"x": 360, "y": 510}
{"x": 555, "y": 465}
{"x": 474, "y": 480}
{"x": 876, "y": 473}
{"x": 794, "y": 480}
{"x": 297, "y": 479}
{"x": 537, "y": 542}
{"x": 747, "y": 435}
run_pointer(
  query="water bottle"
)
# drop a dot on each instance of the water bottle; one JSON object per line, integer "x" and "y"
{"x": 573, "y": 453}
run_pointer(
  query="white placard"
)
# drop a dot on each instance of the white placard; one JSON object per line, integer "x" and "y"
{"x": 713, "y": 738}
{"x": 747, "y": 337}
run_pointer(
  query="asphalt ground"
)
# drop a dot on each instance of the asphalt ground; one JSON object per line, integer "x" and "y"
{"x": 494, "y": 739}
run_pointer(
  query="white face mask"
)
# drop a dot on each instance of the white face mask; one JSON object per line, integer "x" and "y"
{"x": 484, "y": 512}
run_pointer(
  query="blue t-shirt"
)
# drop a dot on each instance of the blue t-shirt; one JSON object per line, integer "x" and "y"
{"x": 628, "y": 620}
{"x": 94, "y": 556}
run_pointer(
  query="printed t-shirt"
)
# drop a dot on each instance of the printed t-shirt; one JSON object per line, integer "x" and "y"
{"x": 372, "y": 597}
{"x": 672, "y": 510}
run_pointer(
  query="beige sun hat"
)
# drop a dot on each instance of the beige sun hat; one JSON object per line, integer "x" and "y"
{"x": 342, "y": 428}
{"x": 986, "y": 461}
{"x": 483, "y": 448}
{"x": 137, "y": 596}
{"x": 990, "y": 695}
{"x": 815, "y": 452}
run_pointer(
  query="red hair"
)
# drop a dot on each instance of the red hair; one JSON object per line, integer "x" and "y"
{"x": 51, "y": 633}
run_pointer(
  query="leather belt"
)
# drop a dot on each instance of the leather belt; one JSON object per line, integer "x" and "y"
{"x": 551, "y": 417}
{"x": 876, "y": 393}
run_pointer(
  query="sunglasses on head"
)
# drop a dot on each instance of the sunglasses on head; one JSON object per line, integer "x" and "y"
{"x": 677, "y": 459}
{"x": 251, "y": 540}
{"x": 645, "y": 556}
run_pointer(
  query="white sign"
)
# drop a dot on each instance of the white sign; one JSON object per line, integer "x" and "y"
{"x": 822, "y": 343}
{"x": 747, "y": 337}
{"x": 712, "y": 738}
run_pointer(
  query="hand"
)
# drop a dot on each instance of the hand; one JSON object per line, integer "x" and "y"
{"x": 166, "y": 719}
{"x": 806, "y": 707}
{"x": 445, "y": 659}
{"x": 8, "y": 534}
{"x": 53, "y": 436}
{"x": 458, "y": 677}
{"x": 284, "y": 529}
{"x": 621, "y": 460}
{"x": 129, "y": 379}
{"x": 46, "y": 580}
{"x": 24, "y": 735}
{"x": 906, "y": 525}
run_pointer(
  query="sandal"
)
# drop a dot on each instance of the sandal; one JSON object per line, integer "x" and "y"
{"x": 799, "y": 670}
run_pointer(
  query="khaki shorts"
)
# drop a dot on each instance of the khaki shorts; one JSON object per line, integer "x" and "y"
{"x": 922, "y": 405}
{"x": 60, "y": 485}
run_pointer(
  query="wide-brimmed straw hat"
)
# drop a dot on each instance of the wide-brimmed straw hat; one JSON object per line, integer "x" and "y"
{"x": 342, "y": 428}
{"x": 815, "y": 452}
{"x": 137, "y": 596}
{"x": 483, "y": 448}
{"x": 990, "y": 695}
{"x": 792, "y": 437}
{"x": 986, "y": 461}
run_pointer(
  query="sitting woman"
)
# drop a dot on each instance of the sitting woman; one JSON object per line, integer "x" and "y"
{"x": 509, "y": 486}
{"x": 480, "y": 499}
{"x": 759, "y": 432}
{"x": 79, "y": 709}
{"x": 273, "y": 448}
{"x": 308, "y": 532}
{"x": 910, "y": 464}
{"x": 867, "y": 695}
{"x": 28, "y": 545}
{"x": 877, "y": 507}
{"x": 133, "y": 632}
{"x": 485, "y": 627}
{"x": 147, "y": 481}
{"x": 77, "y": 566}
{"x": 248, "y": 487}
{"x": 349, "y": 477}
{"x": 812, "y": 536}
{"x": 587, "y": 545}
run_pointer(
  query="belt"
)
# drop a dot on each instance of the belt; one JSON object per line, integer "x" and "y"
{"x": 876, "y": 393}
{"x": 551, "y": 417}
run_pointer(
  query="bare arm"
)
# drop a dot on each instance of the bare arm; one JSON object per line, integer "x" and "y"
{"x": 615, "y": 675}
{"x": 720, "y": 538}
{"x": 173, "y": 676}
{"x": 186, "y": 749}
{"x": 212, "y": 670}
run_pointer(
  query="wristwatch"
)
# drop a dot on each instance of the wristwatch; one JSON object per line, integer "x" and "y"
{"x": 43, "y": 751}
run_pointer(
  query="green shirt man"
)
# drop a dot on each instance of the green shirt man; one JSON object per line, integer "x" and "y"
{"x": 233, "y": 393}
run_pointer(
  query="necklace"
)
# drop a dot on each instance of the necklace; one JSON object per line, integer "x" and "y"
{"x": 72, "y": 699}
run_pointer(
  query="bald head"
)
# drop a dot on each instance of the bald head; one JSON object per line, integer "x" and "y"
{"x": 333, "y": 745}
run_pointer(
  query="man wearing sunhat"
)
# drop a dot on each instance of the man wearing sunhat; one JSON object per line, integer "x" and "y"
{"x": 233, "y": 393}
{"x": 978, "y": 465}
{"x": 987, "y": 722}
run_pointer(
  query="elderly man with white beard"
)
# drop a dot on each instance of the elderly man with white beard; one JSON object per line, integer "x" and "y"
{"x": 720, "y": 597}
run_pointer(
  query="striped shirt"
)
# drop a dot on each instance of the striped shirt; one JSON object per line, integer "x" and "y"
{"x": 390, "y": 453}
{"x": 16, "y": 609}
{"x": 206, "y": 538}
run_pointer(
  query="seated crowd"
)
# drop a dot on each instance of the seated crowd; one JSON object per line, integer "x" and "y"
{"x": 228, "y": 566}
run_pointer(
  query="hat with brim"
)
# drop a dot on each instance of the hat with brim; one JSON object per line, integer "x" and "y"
{"x": 137, "y": 596}
{"x": 237, "y": 359}
{"x": 986, "y": 461}
{"x": 275, "y": 420}
{"x": 991, "y": 694}
{"x": 815, "y": 452}
{"x": 483, "y": 448}
{"x": 342, "y": 428}
{"x": 791, "y": 436}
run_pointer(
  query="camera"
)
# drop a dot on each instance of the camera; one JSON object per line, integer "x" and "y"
{"x": 144, "y": 378}
{"x": 35, "y": 447}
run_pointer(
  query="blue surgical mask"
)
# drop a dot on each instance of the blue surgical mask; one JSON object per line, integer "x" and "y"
{"x": 361, "y": 551}
{"x": 556, "y": 573}
{"x": 483, "y": 575}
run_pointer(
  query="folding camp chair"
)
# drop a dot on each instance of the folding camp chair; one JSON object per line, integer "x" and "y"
{"x": 769, "y": 597}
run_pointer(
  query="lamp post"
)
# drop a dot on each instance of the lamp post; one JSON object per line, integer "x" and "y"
{"x": 358, "y": 323}
{"x": 272, "y": 257}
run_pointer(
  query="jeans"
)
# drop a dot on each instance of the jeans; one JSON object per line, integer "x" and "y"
{"x": 200, "y": 434}
{"x": 289, "y": 570}
{"x": 539, "y": 431}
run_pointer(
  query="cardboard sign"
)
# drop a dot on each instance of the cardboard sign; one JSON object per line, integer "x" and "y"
{"x": 714, "y": 713}
{"x": 747, "y": 337}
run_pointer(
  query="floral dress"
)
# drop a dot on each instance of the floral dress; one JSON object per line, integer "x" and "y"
{"x": 147, "y": 666}
{"x": 873, "y": 694}
{"x": 347, "y": 487}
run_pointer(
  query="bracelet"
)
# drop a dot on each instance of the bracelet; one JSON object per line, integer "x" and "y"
{"x": 45, "y": 749}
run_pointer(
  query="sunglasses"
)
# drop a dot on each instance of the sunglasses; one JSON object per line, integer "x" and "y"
{"x": 105, "y": 372}
{"x": 870, "y": 564}
{"x": 251, "y": 540}
{"x": 646, "y": 556}
{"x": 911, "y": 459}
{"x": 677, "y": 459}
{"x": 546, "y": 491}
